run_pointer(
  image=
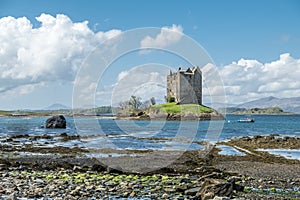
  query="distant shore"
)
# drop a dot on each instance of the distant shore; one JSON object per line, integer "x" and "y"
{"x": 172, "y": 117}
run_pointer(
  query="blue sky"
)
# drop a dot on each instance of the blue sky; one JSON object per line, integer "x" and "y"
{"x": 234, "y": 33}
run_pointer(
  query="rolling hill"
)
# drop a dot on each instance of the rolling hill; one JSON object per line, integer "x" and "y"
{"x": 56, "y": 106}
{"x": 287, "y": 104}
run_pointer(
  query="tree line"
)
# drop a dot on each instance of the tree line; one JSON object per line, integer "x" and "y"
{"x": 136, "y": 102}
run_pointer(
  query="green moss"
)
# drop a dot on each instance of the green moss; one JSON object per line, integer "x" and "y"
{"x": 49, "y": 177}
{"x": 65, "y": 177}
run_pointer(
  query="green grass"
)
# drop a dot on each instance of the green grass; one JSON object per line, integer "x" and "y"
{"x": 173, "y": 108}
{"x": 3, "y": 112}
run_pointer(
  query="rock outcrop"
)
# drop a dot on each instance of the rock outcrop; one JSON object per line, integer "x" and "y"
{"x": 186, "y": 116}
{"x": 215, "y": 187}
{"x": 56, "y": 122}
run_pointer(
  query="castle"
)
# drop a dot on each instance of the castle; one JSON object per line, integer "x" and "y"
{"x": 185, "y": 86}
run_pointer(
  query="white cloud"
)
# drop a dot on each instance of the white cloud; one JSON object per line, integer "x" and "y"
{"x": 122, "y": 75}
{"x": 144, "y": 85}
{"x": 24, "y": 89}
{"x": 166, "y": 37}
{"x": 249, "y": 79}
{"x": 51, "y": 52}
{"x": 32, "y": 57}
{"x": 145, "y": 81}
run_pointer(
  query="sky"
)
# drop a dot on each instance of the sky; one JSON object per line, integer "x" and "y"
{"x": 44, "y": 45}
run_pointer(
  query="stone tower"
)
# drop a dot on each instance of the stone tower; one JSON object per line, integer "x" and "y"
{"x": 185, "y": 86}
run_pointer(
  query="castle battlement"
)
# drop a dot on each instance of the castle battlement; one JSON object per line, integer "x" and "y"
{"x": 185, "y": 86}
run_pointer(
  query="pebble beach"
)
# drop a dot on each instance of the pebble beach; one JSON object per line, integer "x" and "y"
{"x": 63, "y": 175}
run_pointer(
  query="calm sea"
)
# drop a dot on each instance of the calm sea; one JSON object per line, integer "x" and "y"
{"x": 108, "y": 133}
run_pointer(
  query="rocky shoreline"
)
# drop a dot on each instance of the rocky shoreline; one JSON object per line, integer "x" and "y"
{"x": 174, "y": 117}
{"x": 68, "y": 174}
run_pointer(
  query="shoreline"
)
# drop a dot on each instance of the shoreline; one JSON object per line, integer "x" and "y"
{"x": 262, "y": 175}
{"x": 127, "y": 118}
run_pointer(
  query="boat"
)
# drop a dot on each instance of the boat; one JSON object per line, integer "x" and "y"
{"x": 246, "y": 120}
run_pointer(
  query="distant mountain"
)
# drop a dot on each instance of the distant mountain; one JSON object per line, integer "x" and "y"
{"x": 219, "y": 106}
{"x": 287, "y": 104}
{"x": 57, "y": 106}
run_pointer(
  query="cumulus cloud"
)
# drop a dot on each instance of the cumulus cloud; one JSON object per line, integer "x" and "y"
{"x": 51, "y": 52}
{"x": 250, "y": 79}
{"x": 144, "y": 81}
{"x": 166, "y": 37}
{"x": 30, "y": 57}
{"x": 243, "y": 80}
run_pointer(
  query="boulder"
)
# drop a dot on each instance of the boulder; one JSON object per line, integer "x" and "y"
{"x": 56, "y": 122}
{"x": 216, "y": 187}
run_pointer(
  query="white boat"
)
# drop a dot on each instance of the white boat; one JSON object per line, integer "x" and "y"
{"x": 246, "y": 120}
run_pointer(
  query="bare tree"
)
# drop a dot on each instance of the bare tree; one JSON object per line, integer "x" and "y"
{"x": 124, "y": 104}
{"x": 135, "y": 102}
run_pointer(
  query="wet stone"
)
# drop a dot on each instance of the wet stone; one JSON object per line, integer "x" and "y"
{"x": 192, "y": 191}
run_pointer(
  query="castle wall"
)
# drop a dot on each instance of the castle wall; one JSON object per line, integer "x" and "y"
{"x": 190, "y": 89}
{"x": 197, "y": 87}
{"x": 185, "y": 86}
{"x": 172, "y": 86}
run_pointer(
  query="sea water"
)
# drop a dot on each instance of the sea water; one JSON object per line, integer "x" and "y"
{"x": 155, "y": 134}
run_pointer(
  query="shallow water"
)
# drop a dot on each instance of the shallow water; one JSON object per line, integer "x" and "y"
{"x": 125, "y": 134}
{"x": 227, "y": 150}
{"x": 287, "y": 153}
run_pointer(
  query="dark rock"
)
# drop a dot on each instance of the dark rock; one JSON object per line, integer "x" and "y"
{"x": 269, "y": 137}
{"x": 140, "y": 113}
{"x": 234, "y": 179}
{"x": 8, "y": 140}
{"x": 212, "y": 175}
{"x": 166, "y": 170}
{"x": 17, "y": 136}
{"x": 182, "y": 188}
{"x": 66, "y": 137}
{"x": 256, "y": 137}
{"x": 4, "y": 166}
{"x": 246, "y": 138}
{"x": 97, "y": 167}
{"x": 56, "y": 122}
{"x": 215, "y": 187}
{"x": 114, "y": 169}
{"x": 44, "y": 136}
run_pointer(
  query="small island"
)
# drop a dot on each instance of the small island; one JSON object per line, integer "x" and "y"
{"x": 183, "y": 101}
{"x": 171, "y": 112}
{"x": 263, "y": 111}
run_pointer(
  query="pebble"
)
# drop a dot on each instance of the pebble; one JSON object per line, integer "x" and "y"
{"x": 65, "y": 183}
{"x": 132, "y": 194}
{"x": 221, "y": 198}
{"x": 68, "y": 184}
{"x": 11, "y": 197}
{"x": 165, "y": 196}
{"x": 192, "y": 191}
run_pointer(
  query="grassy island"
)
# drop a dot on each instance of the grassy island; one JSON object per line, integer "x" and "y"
{"x": 173, "y": 111}
{"x": 173, "y": 108}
